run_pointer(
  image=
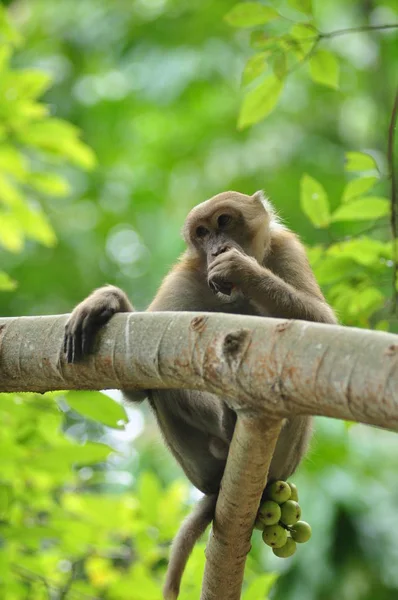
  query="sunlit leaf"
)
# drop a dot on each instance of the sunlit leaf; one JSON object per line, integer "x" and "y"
{"x": 68, "y": 455}
{"x": 99, "y": 407}
{"x": 5, "y": 53}
{"x": 7, "y": 31}
{"x": 27, "y": 83}
{"x": 6, "y": 495}
{"x": 11, "y": 233}
{"x": 314, "y": 201}
{"x": 359, "y": 161}
{"x": 12, "y": 162}
{"x": 100, "y": 571}
{"x": 9, "y": 193}
{"x": 280, "y": 64}
{"x": 260, "y": 587}
{"x": 357, "y": 187}
{"x": 6, "y": 283}
{"x": 382, "y": 325}
{"x": 250, "y": 14}
{"x": 49, "y": 183}
{"x": 261, "y": 39}
{"x": 333, "y": 269}
{"x": 302, "y": 38}
{"x": 365, "y": 302}
{"x": 364, "y": 251}
{"x": 324, "y": 68}
{"x": 362, "y": 209}
{"x": 149, "y": 495}
{"x": 260, "y": 102}
{"x": 59, "y": 137}
{"x": 36, "y": 225}
{"x": 254, "y": 67}
{"x": 304, "y": 6}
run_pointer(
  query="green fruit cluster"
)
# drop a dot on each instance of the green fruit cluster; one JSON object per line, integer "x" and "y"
{"x": 279, "y": 519}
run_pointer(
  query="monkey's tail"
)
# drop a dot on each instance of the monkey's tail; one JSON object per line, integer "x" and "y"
{"x": 190, "y": 531}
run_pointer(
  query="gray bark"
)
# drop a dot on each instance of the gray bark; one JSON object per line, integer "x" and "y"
{"x": 267, "y": 368}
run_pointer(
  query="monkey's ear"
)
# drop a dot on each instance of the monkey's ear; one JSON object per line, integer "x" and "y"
{"x": 259, "y": 197}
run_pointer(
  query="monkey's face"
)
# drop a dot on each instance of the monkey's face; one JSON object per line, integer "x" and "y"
{"x": 228, "y": 220}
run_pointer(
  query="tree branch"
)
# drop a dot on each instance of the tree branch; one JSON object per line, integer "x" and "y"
{"x": 360, "y": 29}
{"x": 267, "y": 369}
{"x": 288, "y": 367}
{"x": 245, "y": 475}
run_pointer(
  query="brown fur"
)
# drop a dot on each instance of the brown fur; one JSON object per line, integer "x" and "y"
{"x": 261, "y": 269}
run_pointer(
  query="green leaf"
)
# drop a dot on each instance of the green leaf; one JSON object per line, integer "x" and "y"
{"x": 324, "y": 68}
{"x": 9, "y": 193}
{"x": 12, "y": 162}
{"x": 6, "y": 497}
{"x": 11, "y": 234}
{"x": 357, "y": 187}
{"x": 250, "y": 14}
{"x": 260, "y": 102}
{"x": 49, "y": 183}
{"x": 99, "y": 407}
{"x": 382, "y": 325}
{"x": 65, "y": 456}
{"x": 30, "y": 83}
{"x": 260, "y": 586}
{"x": 35, "y": 225}
{"x": 301, "y": 39}
{"x": 304, "y": 6}
{"x": 149, "y": 495}
{"x": 7, "y": 31}
{"x": 314, "y": 201}
{"x": 366, "y": 302}
{"x": 359, "y": 161}
{"x": 364, "y": 251}
{"x": 60, "y": 138}
{"x": 280, "y": 64}
{"x": 6, "y": 283}
{"x": 335, "y": 268}
{"x": 362, "y": 209}
{"x": 254, "y": 67}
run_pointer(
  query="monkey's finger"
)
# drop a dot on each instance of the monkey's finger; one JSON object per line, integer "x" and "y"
{"x": 90, "y": 326}
{"x": 69, "y": 355}
{"x": 65, "y": 342}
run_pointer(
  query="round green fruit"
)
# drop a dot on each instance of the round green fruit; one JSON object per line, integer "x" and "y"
{"x": 258, "y": 524}
{"x": 275, "y": 536}
{"x": 293, "y": 492}
{"x": 301, "y": 532}
{"x": 290, "y": 512}
{"x": 287, "y": 550}
{"x": 269, "y": 513}
{"x": 279, "y": 491}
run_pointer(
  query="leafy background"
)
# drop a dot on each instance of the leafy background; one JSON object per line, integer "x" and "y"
{"x": 115, "y": 119}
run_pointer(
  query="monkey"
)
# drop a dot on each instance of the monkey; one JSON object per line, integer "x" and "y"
{"x": 239, "y": 258}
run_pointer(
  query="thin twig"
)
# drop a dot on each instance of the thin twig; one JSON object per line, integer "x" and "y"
{"x": 361, "y": 29}
{"x": 394, "y": 200}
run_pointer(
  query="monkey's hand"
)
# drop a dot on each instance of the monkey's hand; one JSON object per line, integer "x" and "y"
{"x": 230, "y": 269}
{"x": 88, "y": 317}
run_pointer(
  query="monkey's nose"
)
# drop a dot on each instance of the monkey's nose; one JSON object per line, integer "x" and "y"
{"x": 220, "y": 250}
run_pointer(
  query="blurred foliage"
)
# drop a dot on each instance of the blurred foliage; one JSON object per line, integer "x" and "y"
{"x": 89, "y": 505}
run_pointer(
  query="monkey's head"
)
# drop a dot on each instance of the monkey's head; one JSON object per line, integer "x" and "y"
{"x": 230, "y": 220}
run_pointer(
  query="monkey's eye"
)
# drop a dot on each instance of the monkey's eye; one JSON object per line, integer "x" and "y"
{"x": 201, "y": 232}
{"x": 223, "y": 220}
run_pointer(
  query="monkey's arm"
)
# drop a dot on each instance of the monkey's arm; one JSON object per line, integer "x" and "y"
{"x": 283, "y": 287}
{"x": 184, "y": 288}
